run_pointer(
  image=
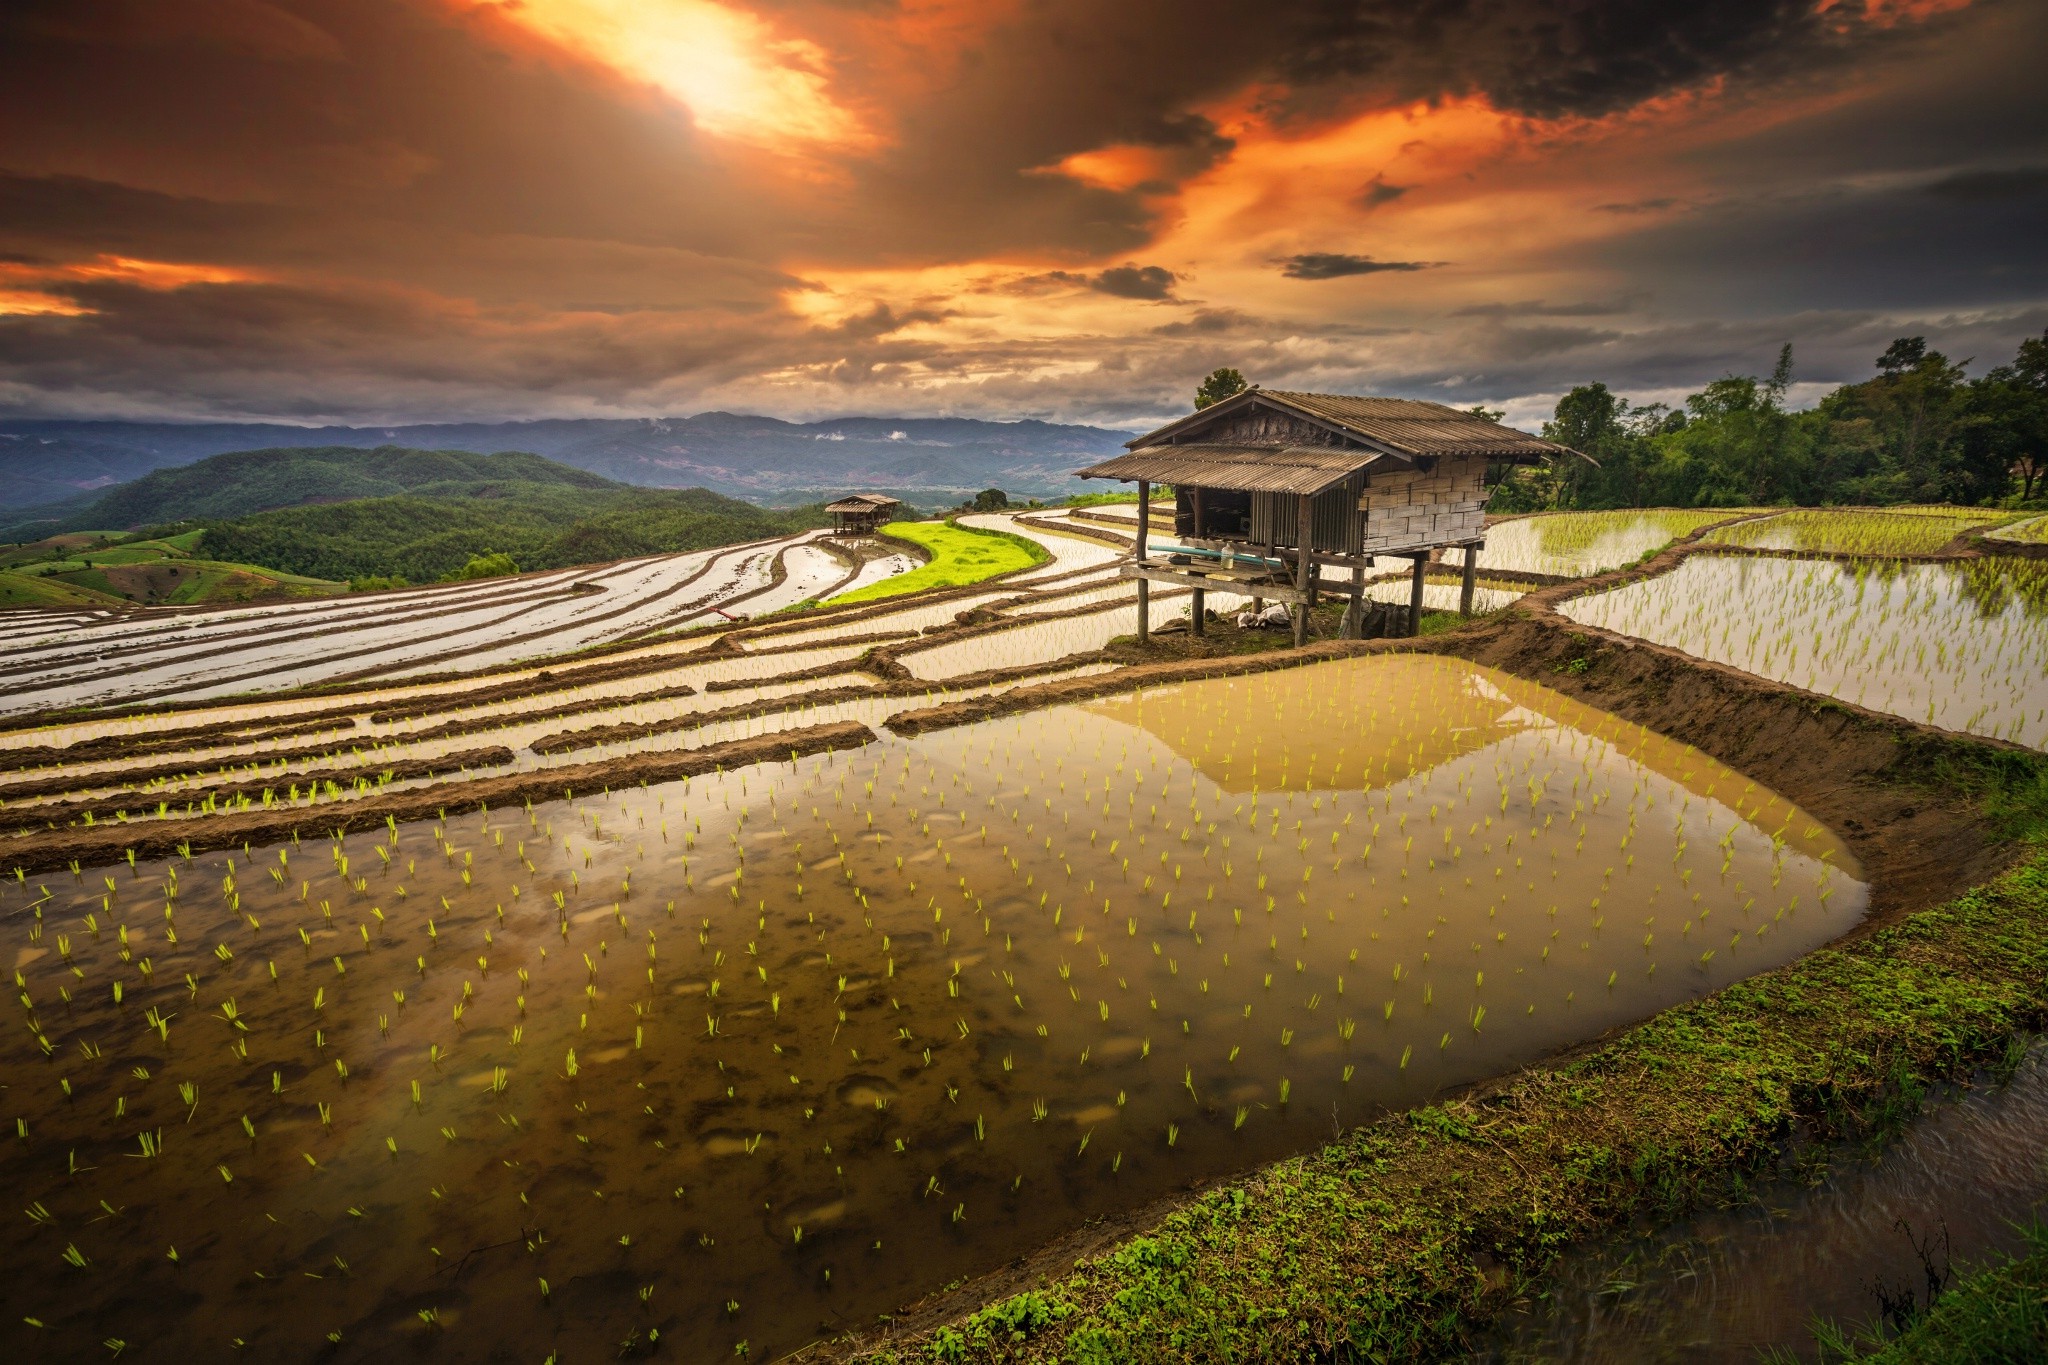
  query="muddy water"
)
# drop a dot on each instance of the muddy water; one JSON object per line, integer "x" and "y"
{"x": 759, "y": 1056}
{"x": 1961, "y": 646}
{"x": 1726, "y": 1286}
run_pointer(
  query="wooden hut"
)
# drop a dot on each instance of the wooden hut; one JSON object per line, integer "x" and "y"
{"x": 858, "y": 514}
{"x": 1273, "y": 490}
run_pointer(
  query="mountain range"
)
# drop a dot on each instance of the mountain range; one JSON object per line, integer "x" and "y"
{"x": 760, "y": 459}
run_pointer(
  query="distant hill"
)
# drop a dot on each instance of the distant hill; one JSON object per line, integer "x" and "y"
{"x": 336, "y": 513}
{"x": 422, "y": 538}
{"x": 245, "y": 482}
{"x": 933, "y": 460}
{"x": 110, "y": 570}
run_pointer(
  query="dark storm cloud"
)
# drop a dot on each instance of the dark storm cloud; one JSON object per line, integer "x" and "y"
{"x": 440, "y": 221}
{"x": 1335, "y": 265}
{"x": 1150, "y": 283}
{"x": 1066, "y": 76}
{"x": 1377, "y": 192}
{"x": 1135, "y": 282}
{"x": 1553, "y": 58}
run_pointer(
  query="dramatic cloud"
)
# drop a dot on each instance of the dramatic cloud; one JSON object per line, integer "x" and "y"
{"x": 1331, "y": 265}
{"x": 1134, "y": 282}
{"x": 423, "y": 209}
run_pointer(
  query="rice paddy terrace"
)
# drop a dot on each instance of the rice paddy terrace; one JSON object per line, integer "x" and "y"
{"x": 558, "y": 964}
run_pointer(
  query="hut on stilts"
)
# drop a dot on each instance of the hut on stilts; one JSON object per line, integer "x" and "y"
{"x": 858, "y": 514}
{"x": 1274, "y": 490}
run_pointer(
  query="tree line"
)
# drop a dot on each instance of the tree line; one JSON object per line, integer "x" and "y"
{"x": 1920, "y": 430}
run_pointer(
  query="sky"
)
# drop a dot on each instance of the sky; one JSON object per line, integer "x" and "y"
{"x": 418, "y": 210}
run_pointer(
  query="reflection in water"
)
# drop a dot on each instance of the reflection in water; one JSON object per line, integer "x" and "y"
{"x": 1578, "y": 544}
{"x": 1862, "y": 530}
{"x": 1963, "y": 646}
{"x": 1726, "y": 1286}
{"x": 761, "y": 1055}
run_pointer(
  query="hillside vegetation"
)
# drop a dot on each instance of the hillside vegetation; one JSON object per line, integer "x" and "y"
{"x": 422, "y": 538}
{"x": 246, "y": 482}
{"x": 335, "y": 514}
{"x": 111, "y": 569}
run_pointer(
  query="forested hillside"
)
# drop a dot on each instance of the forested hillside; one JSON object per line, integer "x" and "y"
{"x": 346, "y": 514}
{"x": 1919, "y": 431}
{"x": 248, "y": 481}
{"x": 422, "y": 538}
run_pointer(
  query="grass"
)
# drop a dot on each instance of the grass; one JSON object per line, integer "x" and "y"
{"x": 1998, "y": 1312}
{"x": 959, "y": 555}
{"x": 109, "y": 568}
{"x": 35, "y": 590}
{"x": 1400, "y": 1239}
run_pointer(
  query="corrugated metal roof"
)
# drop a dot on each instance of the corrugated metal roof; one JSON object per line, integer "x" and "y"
{"x": 1419, "y": 427}
{"x": 860, "y": 502}
{"x": 1254, "y": 469}
{"x": 1407, "y": 426}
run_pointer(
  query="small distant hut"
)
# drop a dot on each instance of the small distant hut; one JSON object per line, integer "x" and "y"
{"x": 858, "y": 514}
{"x": 1272, "y": 490}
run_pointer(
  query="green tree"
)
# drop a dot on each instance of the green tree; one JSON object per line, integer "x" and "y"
{"x": 489, "y": 564}
{"x": 1221, "y": 384}
{"x": 991, "y": 500}
{"x": 2002, "y": 429}
{"x": 1907, "y": 420}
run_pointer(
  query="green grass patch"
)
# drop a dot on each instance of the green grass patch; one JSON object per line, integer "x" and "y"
{"x": 1995, "y": 1313}
{"x": 959, "y": 555}
{"x": 35, "y": 590}
{"x": 1404, "y": 1239}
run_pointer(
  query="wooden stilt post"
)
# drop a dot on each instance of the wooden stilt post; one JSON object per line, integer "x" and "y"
{"x": 1201, "y": 599}
{"x": 1304, "y": 567}
{"x": 1354, "y": 616}
{"x": 1415, "y": 595}
{"x": 1471, "y": 580}
{"x": 1138, "y": 553}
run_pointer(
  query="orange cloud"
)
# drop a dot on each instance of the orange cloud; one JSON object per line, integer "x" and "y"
{"x": 34, "y": 288}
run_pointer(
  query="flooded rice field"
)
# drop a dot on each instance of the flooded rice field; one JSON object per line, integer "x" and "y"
{"x": 1960, "y": 645}
{"x": 755, "y": 1057}
{"x": 1579, "y": 544}
{"x": 1486, "y": 597}
{"x": 1866, "y": 531}
{"x": 184, "y": 655}
{"x": 1724, "y": 1287}
{"x": 1040, "y": 641}
{"x": 2028, "y": 531}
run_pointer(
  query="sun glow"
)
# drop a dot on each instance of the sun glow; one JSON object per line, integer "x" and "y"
{"x": 738, "y": 78}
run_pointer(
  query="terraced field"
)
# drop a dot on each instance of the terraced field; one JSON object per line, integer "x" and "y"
{"x": 623, "y": 959}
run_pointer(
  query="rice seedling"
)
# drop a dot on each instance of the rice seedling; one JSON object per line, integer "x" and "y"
{"x": 1579, "y": 544}
{"x": 2028, "y": 531}
{"x": 1961, "y": 645}
{"x": 1016, "y": 954}
{"x": 1860, "y": 530}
